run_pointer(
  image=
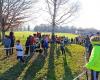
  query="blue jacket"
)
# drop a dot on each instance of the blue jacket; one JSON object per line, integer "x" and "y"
{"x": 7, "y": 42}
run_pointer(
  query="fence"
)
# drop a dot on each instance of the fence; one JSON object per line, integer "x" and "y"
{"x": 3, "y": 50}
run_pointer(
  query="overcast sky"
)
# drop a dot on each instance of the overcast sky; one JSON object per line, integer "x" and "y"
{"x": 88, "y": 16}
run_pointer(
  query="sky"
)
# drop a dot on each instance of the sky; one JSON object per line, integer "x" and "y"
{"x": 88, "y": 15}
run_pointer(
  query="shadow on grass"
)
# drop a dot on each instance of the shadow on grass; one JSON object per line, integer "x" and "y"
{"x": 67, "y": 51}
{"x": 34, "y": 68}
{"x": 67, "y": 71}
{"x": 4, "y": 58}
{"x": 51, "y": 67}
{"x": 58, "y": 50}
{"x": 14, "y": 72}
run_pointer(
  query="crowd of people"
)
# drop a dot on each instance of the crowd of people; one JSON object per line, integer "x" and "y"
{"x": 40, "y": 43}
{"x": 34, "y": 43}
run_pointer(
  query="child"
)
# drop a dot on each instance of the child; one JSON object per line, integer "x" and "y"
{"x": 62, "y": 46}
{"x": 7, "y": 43}
{"x": 45, "y": 45}
{"x": 20, "y": 52}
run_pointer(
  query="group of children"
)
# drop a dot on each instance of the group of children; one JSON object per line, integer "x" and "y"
{"x": 32, "y": 44}
{"x": 37, "y": 42}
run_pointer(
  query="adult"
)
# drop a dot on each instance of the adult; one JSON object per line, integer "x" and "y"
{"x": 31, "y": 38}
{"x": 88, "y": 46}
{"x": 94, "y": 60}
{"x": 27, "y": 45}
{"x": 12, "y": 38}
{"x": 42, "y": 41}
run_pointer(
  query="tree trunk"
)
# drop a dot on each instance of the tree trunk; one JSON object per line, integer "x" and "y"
{"x": 0, "y": 36}
{"x": 3, "y": 35}
{"x": 53, "y": 31}
{"x": 53, "y": 20}
{"x": 53, "y": 28}
{"x": 0, "y": 17}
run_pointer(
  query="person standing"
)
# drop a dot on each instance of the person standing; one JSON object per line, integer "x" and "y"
{"x": 12, "y": 38}
{"x": 88, "y": 46}
{"x": 46, "y": 45}
{"x": 27, "y": 45}
{"x": 94, "y": 61}
{"x": 20, "y": 52}
{"x": 46, "y": 42}
{"x": 62, "y": 46}
{"x": 7, "y": 43}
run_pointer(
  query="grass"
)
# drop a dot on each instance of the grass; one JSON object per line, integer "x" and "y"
{"x": 51, "y": 67}
{"x": 22, "y": 36}
{"x": 25, "y": 34}
{"x": 95, "y": 42}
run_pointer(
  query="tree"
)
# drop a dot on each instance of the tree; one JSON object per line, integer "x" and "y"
{"x": 1, "y": 1}
{"x": 61, "y": 12}
{"x": 13, "y": 13}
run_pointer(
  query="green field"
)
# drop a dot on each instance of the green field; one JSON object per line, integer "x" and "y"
{"x": 51, "y": 67}
{"x": 26, "y": 33}
{"x": 22, "y": 36}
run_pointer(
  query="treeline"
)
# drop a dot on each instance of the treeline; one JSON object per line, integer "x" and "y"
{"x": 64, "y": 29}
{"x": 48, "y": 28}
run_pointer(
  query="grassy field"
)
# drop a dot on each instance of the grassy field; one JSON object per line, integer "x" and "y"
{"x": 22, "y": 36}
{"x": 26, "y": 33}
{"x": 37, "y": 67}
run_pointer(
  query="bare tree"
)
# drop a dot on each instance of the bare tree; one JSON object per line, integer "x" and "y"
{"x": 61, "y": 12}
{"x": 13, "y": 13}
{"x": 1, "y": 1}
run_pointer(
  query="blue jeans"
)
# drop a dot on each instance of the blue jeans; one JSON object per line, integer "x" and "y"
{"x": 20, "y": 58}
{"x": 94, "y": 75}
